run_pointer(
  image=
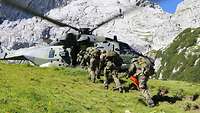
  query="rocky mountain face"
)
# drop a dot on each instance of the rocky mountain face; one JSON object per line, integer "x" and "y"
{"x": 42, "y": 6}
{"x": 144, "y": 28}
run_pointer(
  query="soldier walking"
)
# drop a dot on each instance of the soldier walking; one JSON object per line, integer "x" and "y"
{"x": 94, "y": 64}
{"x": 111, "y": 70}
{"x": 139, "y": 72}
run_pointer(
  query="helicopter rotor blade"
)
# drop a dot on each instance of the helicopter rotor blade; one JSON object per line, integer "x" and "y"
{"x": 129, "y": 10}
{"x": 18, "y": 6}
{"x": 115, "y": 17}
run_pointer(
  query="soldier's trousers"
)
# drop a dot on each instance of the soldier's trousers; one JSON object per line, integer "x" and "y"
{"x": 111, "y": 73}
{"x": 146, "y": 94}
{"x": 93, "y": 74}
{"x": 144, "y": 89}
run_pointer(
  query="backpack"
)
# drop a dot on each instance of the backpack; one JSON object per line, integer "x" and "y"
{"x": 113, "y": 56}
{"x": 147, "y": 65}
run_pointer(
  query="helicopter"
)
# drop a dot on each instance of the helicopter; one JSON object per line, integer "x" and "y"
{"x": 64, "y": 52}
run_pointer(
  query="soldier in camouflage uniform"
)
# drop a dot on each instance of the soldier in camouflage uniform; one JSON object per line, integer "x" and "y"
{"x": 111, "y": 70}
{"x": 139, "y": 72}
{"x": 84, "y": 58}
{"x": 80, "y": 57}
{"x": 94, "y": 64}
{"x": 102, "y": 64}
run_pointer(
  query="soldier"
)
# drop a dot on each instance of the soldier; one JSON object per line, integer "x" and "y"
{"x": 102, "y": 64}
{"x": 111, "y": 70}
{"x": 139, "y": 72}
{"x": 71, "y": 42}
{"x": 65, "y": 57}
{"x": 87, "y": 56}
{"x": 86, "y": 59}
{"x": 80, "y": 58}
{"x": 94, "y": 64}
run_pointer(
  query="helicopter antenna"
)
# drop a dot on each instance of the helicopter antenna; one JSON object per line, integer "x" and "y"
{"x": 32, "y": 12}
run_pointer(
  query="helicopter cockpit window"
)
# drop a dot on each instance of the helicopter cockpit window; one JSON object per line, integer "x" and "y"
{"x": 105, "y": 41}
{"x": 100, "y": 47}
{"x": 117, "y": 49}
{"x": 51, "y": 53}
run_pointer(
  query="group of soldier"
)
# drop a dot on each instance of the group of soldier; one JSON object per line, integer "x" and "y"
{"x": 108, "y": 64}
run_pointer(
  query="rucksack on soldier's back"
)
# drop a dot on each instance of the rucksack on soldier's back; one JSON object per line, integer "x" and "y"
{"x": 112, "y": 55}
{"x": 147, "y": 64}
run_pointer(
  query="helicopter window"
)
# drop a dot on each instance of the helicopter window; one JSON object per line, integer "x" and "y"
{"x": 51, "y": 53}
{"x": 117, "y": 49}
{"x": 100, "y": 47}
{"x": 108, "y": 44}
{"x": 105, "y": 42}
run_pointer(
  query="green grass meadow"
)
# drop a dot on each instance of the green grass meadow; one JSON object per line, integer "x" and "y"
{"x": 28, "y": 89}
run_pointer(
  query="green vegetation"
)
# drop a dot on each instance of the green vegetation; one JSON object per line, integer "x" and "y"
{"x": 181, "y": 60}
{"x": 27, "y": 89}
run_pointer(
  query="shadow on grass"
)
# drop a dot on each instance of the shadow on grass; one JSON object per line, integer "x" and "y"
{"x": 171, "y": 100}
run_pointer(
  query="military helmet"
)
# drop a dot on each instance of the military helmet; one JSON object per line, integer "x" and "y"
{"x": 88, "y": 49}
{"x": 141, "y": 59}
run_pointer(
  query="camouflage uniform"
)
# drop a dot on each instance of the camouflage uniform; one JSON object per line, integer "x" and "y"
{"x": 86, "y": 59}
{"x": 81, "y": 58}
{"x": 94, "y": 64}
{"x": 139, "y": 72}
{"x": 111, "y": 70}
{"x": 102, "y": 64}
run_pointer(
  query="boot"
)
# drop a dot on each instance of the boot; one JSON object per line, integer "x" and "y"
{"x": 120, "y": 89}
{"x": 105, "y": 84}
{"x": 150, "y": 103}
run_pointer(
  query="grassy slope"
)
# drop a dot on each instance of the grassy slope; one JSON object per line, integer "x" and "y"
{"x": 183, "y": 55}
{"x": 26, "y": 89}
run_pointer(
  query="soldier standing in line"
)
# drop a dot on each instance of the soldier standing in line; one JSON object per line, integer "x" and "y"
{"x": 139, "y": 72}
{"x": 80, "y": 58}
{"x": 102, "y": 63}
{"x": 111, "y": 70}
{"x": 86, "y": 59}
{"x": 94, "y": 64}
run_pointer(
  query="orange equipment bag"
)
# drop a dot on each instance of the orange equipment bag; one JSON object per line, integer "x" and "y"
{"x": 135, "y": 81}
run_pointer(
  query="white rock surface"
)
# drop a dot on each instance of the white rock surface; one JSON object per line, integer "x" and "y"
{"x": 42, "y": 6}
{"x": 144, "y": 28}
